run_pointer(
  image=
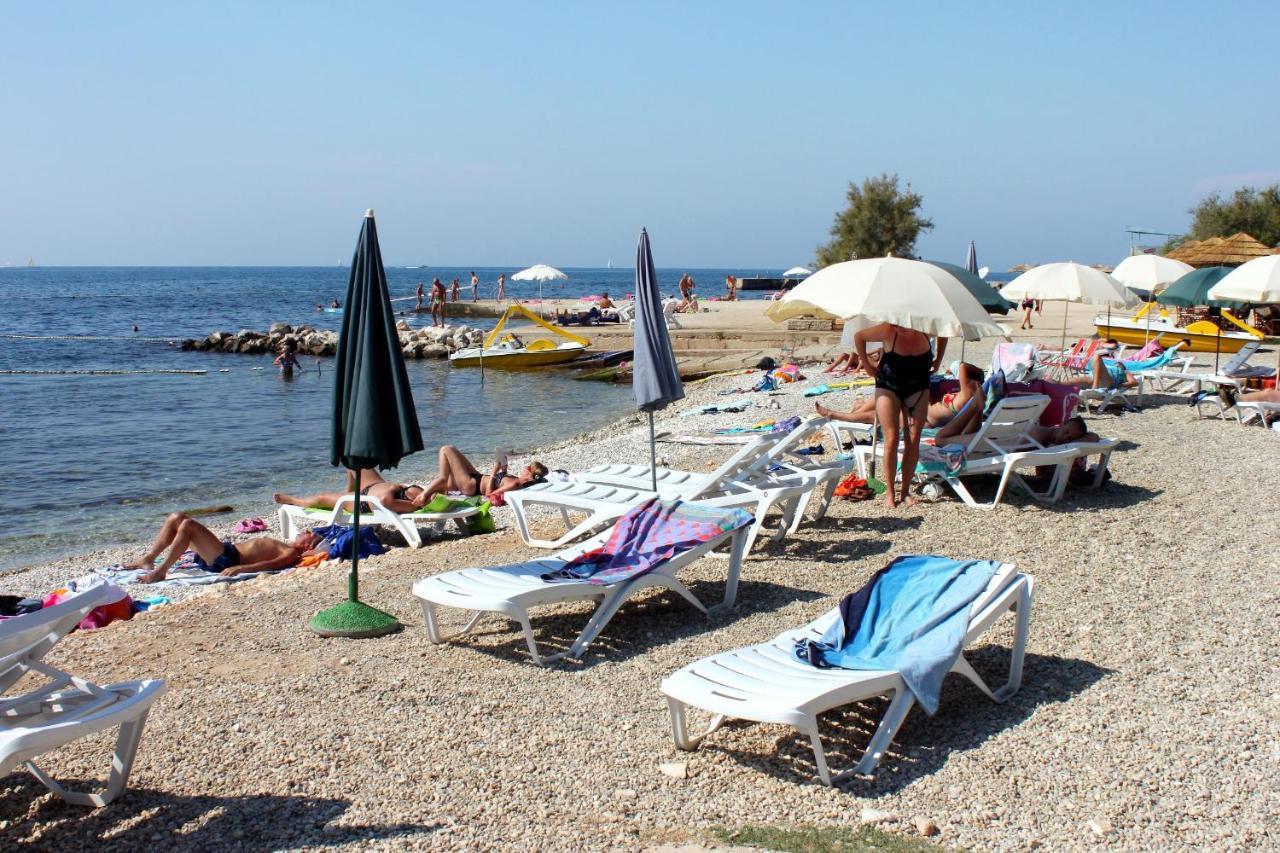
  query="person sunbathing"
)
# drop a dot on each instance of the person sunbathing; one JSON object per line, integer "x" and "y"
{"x": 945, "y": 411}
{"x": 1103, "y": 372}
{"x": 457, "y": 474}
{"x": 181, "y": 532}
{"x": 845, "y": 362}
{"x": 1230, "y": 397}
{"x": 397, "y": 497}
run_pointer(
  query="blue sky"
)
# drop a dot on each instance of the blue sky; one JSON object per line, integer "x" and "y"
{"x": 515, "y": 133}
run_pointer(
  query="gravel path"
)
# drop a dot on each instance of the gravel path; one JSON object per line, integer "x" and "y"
{"x": 1148, "y": 719}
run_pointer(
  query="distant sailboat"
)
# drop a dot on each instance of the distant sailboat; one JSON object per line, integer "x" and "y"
{"x": 609, "y": 265}
{"x": 31, "y": 262}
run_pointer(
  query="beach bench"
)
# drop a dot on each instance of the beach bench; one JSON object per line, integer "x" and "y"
{"x": 766, "y": 684}
{"x": 512, "y": 590}
{"x": 65, "y": 708}
{"x": 373, "y": 511}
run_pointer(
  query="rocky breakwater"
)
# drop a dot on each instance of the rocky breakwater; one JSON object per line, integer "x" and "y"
{"x": 430, "y": 342}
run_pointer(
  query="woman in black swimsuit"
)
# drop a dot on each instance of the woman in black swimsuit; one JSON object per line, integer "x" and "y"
{"x": 902, "y": 395}
{"x": 457, "y": 474}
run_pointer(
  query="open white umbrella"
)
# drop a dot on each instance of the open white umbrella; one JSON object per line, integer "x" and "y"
{"x": 1257, "y": 281}
{"x": 1151, "y": 273}
{"x": 797, "y": 272}
{"x": 911, "y": 294}
{"x": 1069, "y": 282}
{"x": 540, "y": 273}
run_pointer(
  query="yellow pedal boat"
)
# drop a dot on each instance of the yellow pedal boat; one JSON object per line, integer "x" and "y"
{"x": 511, "y": 353}
{"x": 1204, "y": 335}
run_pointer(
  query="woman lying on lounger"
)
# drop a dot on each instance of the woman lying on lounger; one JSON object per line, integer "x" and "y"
{"x": 947, "y": 409}
{"x": 457, "y": 474}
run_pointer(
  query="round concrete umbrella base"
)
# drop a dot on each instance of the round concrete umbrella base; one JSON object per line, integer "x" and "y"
{"x": 353, "y": 619}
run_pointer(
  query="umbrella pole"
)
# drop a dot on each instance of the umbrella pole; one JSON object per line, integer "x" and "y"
{"x": 353, "y": 578}
{"x": 353, "y": 618}
{"x": 1217, "y": 349}
{"x": 1066, "y": 309}
{"x": 653, "y": 453}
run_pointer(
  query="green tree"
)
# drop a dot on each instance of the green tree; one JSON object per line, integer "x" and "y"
{"x": 881, "y": 219}
{"x": 1249, "y": 209}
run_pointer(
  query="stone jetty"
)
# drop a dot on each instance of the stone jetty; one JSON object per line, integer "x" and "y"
{"x": 429, "y": 342}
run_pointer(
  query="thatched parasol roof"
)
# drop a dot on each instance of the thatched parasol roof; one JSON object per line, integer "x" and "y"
{"x": 1221, "y": 251}
{"x": 1020, "y": 267}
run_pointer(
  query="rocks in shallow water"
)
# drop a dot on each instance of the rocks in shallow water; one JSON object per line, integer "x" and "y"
{"x": 431, "y": 342}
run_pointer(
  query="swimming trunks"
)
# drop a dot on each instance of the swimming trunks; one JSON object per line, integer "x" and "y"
{"x": 228, "y": 558}
{"x": 904, "y": 376}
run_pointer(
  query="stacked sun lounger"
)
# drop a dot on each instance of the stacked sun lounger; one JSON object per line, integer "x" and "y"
{"x": 65, "y": 708}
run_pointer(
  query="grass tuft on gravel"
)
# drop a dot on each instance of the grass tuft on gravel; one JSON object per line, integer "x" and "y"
{"x": 816, "y": 839}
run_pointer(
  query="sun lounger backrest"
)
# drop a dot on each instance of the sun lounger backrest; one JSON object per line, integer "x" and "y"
{"x": 790, "y": 443}
{"x": 1006, "y": 429}
{"x": 1238, "y": 360}
{"x": 30, "y": 637}
{"x": 747, "y": 459}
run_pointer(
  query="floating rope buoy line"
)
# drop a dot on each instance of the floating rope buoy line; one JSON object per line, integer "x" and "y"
{"x": 101, "y": 372}
{"x": 17, "y": 337}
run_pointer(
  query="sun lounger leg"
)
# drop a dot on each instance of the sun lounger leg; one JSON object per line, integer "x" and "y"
{"x": 121, "y": 766}
{"x": 409, "y": 530}
{"x": 680, "y": 726}
{"x": 819, "y": 756}
{"x": 615, "y": 599}
{"x": 897, "y": 711}
{"x": 737, "y": 552}
{"x": 1022, "y": 610}
{"x": 433, "y": 626}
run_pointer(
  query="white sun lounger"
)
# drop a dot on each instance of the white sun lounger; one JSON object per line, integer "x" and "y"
{"x": 605, "y": 502}
{"x": 1186, "y": 381}
{"x": 1003, "y": 446}
{"x": 773, "y": 461}
{"x": 65, "y": 708}
{"x": 766, "y": 684}
{"x": 373, "y": 511}
{"x": 512, "y": 590}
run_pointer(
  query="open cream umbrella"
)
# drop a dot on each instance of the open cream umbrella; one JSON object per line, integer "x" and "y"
{"x": 1257, "y": 281}
{"x": 798, "y": 272}
{"x": 1069, "y": 282}
{"x": 912, "y": 294}
{"x": 1152, "y": 273}
{"x": 540, "y": 273}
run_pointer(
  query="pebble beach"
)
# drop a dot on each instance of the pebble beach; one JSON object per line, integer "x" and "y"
{"x": 1148, "y": 719}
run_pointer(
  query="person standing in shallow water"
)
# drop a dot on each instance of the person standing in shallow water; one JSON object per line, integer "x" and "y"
{"x": 420, "y": 293}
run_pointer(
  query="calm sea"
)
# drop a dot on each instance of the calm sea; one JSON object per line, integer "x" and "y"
{"x": 93, "y": 460}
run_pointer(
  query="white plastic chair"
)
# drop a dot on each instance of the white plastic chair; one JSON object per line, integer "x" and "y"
{"x": 766, "y": 684}
{"x": 512, "y": 590}
{"x": 372, "y": 511}
{"x": 65, "y": 708}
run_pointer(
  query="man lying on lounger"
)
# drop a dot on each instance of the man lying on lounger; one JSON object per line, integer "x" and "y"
{"x": 457, "y": 474}
{"x": 180, "y": 532}
{"x": 946, "y": 410}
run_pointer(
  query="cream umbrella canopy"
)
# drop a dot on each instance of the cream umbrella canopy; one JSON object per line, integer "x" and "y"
{"x": 797, "y": 272}
{"x": 911, "y": 294}
{"x": 1070, "y": 282}
{"x": 1256, "y": 281}
{"x": 1149, "y": 272}
{"x": 540, "y": 273}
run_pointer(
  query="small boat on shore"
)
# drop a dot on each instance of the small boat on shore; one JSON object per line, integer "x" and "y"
{"x": 510, "y": 352}
{"x": 1204, "y": 335}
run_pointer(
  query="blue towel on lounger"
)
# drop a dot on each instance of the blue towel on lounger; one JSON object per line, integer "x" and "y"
{"x": 910, "y": 618}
